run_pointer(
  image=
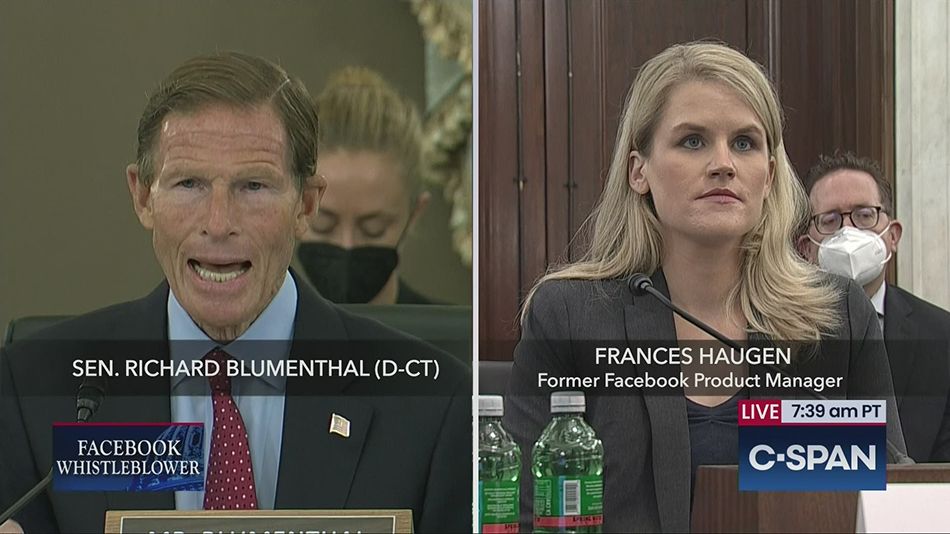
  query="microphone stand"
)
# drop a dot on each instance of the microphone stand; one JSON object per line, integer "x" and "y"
{"x": 26, "y": 498}
{"x": 88, "y": 399}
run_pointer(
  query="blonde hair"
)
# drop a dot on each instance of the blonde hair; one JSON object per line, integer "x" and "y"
{"x": 779, "y": 293}
{"x": 359, "y": 110}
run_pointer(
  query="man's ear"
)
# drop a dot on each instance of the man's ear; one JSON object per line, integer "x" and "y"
{"x": 141, "y": 195}
{"x": 893, "y": 235}
{"x": 635, "y": 175}
{"x": 310, "y": 196}
{"x": 806, "y": 248}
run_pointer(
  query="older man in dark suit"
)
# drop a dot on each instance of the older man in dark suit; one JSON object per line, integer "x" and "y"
{"x": 225, "y": 180}
{"x": 853, "y": 232}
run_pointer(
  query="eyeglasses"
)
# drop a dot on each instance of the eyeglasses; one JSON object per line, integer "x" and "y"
{"x": 865, "y": 217}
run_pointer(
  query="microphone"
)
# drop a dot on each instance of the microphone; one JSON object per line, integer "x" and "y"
{"x": 88, "y": 399}
{"x": 641, "y": 284}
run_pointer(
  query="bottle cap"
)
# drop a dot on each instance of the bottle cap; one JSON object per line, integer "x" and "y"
{"x": 567, "y": 402}
{"x": 491, "y": 406}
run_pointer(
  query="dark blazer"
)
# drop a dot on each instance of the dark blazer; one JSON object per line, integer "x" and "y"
{"x": 646, "y": 437}
{"x": 917, "y": 335}
{"x": 404, "y": 451}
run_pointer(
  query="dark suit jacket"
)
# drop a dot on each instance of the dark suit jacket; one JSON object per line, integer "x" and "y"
{"x": 404, "y": 451}
{"x": 646, "y": 437}
{"x": 917, "y": 335}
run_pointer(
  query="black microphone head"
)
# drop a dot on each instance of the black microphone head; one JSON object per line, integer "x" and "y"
{"x": 639, "y": 283}
{"x": 89, "y": 397}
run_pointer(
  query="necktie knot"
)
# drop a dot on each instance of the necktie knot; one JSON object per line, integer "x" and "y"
{"x": 220, "y": 382}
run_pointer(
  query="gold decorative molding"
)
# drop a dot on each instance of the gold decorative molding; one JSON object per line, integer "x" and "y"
{"x": 447, "y": 132}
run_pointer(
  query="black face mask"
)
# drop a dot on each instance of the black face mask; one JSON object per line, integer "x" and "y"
{"x": 347, "y": 276}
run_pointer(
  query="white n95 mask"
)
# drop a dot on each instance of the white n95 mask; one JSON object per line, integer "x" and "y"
{"x": 858, "y": 254}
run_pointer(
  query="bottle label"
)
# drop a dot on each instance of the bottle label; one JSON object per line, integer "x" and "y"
{"x": 565, "y": 502}
{"x": 498, "y": 506}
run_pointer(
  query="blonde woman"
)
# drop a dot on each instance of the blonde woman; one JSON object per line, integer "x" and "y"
{"x": 701, "y": 197}
{"x": 370, "y": 155}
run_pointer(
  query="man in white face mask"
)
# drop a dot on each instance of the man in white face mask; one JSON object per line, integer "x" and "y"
{"x": 853, "y": 233}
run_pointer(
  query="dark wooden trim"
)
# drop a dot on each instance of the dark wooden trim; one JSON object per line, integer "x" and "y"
{"x": 498, "y": 162}
{"x": 557, "y": 133}
{"x": 586, "y": 53}
{"x": 533, "y": 146}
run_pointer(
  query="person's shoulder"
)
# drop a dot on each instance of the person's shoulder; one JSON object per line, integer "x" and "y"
{"x": 850, "y": 303}
{"x": 843, "y": 286}
{"x": 849, "y": 296}
{"x": 359, "y": 327}
{"x": 578, "y": 292}
{"x": 40, "y": 360}
{"x": 130, "y": 320}
{"x": 362, "y": 329}
{"x": 933, "y": 316}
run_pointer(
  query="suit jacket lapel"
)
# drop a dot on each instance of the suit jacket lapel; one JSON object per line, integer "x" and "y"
{"x": 317, "y": 467}
{"x": 147, "y": 322}
{"x": 142, "y": 409}
{"x": 646, "y": 319}
{"x": 897, "y": 327}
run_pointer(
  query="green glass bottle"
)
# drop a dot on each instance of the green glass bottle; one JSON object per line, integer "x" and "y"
{"x": 499, "y": 470}
{"x": 567, "y": 463}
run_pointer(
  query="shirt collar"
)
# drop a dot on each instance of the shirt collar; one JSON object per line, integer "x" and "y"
{"x": 877, "y": 299}
{"x": 272, "y": 331}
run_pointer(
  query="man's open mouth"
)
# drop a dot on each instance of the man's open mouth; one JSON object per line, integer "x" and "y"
{"x": 219, "y": 272}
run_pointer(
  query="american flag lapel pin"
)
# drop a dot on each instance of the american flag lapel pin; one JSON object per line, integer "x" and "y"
{"x": 340, "y": 425}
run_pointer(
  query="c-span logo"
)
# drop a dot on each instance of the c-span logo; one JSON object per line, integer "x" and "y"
{"x": 829, "y": 445}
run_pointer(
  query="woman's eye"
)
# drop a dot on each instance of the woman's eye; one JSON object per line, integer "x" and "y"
{"x": 692, "y": 142}
{"x": 323, "y": 224}
{"x": 744, "y": 144}
{"x": 373, "y": 233}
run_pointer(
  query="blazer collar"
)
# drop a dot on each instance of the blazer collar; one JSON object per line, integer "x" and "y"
{"x": 317, "y": 467}
{"x": 146, "y": 321}
{"x": 647, "y": 319}
{"x": 897, "y": 312}
{"x": 898, "y": 326}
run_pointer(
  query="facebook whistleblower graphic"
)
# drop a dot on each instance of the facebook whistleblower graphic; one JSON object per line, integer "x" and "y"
{"x": 128, "y": 457}
{"x": 813, "y": 445}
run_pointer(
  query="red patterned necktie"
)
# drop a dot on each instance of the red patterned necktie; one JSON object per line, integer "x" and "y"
{"x": 230, "y": 481}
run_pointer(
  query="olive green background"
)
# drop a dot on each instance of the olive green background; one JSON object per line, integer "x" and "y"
{"x": 73, "y": 81}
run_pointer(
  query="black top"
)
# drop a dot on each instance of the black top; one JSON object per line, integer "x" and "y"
{"x": 713, "y": 433}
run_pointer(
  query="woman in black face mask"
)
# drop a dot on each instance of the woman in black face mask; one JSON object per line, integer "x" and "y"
{"x": 369, "y": 153}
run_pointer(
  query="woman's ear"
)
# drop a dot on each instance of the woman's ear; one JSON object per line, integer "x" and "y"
{"x": 771, "y": 177}
{"x": 422, "y": 202}
{"x": 636, "y": 178}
